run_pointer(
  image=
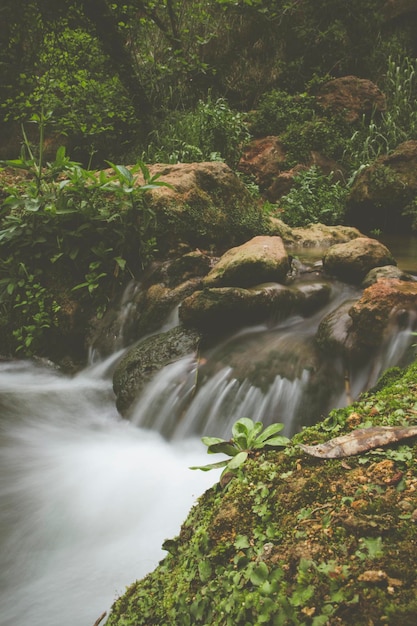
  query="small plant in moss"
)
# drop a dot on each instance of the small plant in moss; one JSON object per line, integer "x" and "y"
{"x": 248, "y": 437}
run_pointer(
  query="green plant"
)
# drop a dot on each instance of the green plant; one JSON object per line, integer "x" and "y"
{"x": 278, "y": 109}
{"x": 314, "y": 198}
{"x": 68, "y": 226}
{"x": 211, "y": 132}
{"x": 248, "y": 437}
{"x": 383, "y": 132}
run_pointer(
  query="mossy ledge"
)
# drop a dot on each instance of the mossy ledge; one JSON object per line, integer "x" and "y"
{"x": 294, "y": 539}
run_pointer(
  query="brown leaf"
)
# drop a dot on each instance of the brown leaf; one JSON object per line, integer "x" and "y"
{"x": 360, "y": 440}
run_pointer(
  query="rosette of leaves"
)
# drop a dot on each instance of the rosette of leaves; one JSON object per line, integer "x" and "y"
{"x": 248, "y": 437}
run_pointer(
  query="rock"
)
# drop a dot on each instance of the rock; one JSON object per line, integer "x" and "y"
{"x": 351, "y": 96}
{"x": 145, "y": 307}
{"x": 357, "y": 329}
{"x": 382, "y": 191}
{"x": 142, "y": 362}
{"x": 219, "y": 310}
{"x": 333, "y": 332}
{"x": 384, "y": 304}
{"x": 388, "y": 271}
{"x": 260, "y": 260}
{"x": 206, "y": 205}
{"x": 322, "y": 236}
{"x": 265, "y": 160}
{"x": 351, "y": 261}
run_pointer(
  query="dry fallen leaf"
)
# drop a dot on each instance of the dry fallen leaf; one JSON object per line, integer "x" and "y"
{"x": 360, "y": 440}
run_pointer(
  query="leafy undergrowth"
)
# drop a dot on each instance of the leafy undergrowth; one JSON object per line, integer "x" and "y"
{"x": 296, "y": 540}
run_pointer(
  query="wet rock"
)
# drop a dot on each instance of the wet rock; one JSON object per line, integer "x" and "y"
{"x": 262, "y": 259}
{"x": 142, "y": 362}
{"x": 333, "y": 332}
{"x": 223, "y": 309}
{"x": 219, "y": 310}
{"x": 351, "y": 261}
{"x": 351, "y": 96}
{"x": 382, "y": 191}
{"x": 356, "y": 330}
{"x": 383, "y": 307}
{"x": 388, "y": 271}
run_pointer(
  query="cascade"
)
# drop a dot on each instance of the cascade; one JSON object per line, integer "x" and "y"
{"x": 87, "y": 498}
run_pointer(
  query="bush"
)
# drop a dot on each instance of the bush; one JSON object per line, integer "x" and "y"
{"x": 277, "y": 110}
{"x": 315, "y": 198}
{"x": 213, "y": 131}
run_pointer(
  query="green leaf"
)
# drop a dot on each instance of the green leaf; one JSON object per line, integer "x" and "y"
{"x": 224, "y": 448}
{"x": 204, "y": 570}
{"x": 207, "y": 468}
{"x": 269, "y": 431}
{"x": 259, "y": 574}
{"x": 209, "y": 441}
{"x": 237, "y": 460}
{"x": 276, "y": 441}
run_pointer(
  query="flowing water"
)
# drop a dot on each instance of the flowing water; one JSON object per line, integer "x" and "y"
{"x": 86, "y": 498}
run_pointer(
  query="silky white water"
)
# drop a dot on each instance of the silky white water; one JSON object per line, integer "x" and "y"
{"x": 86, "y": 499}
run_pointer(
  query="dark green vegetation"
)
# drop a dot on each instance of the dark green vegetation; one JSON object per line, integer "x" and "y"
{"x": 172, "y": 81}
{"x": 297, "y": 540}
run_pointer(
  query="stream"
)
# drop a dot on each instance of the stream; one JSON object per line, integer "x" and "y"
{"x": 87, "y": 498}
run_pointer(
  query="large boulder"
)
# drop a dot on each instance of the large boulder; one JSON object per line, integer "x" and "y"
{"x": 383, "y": 191}
{"x": 205, "y": 205}
{"x": 385, "y": 306}
{"x": 142, "y": 362}
{"x": 351, "y": 96}
{"x": 351, "y": 261}
{"x": 356, "y": 329}
{"x": 260, "y": 260}
{"x": 265, "y": 160}
{"x": 219, "y": 310}
{"x": 322, "y": 236}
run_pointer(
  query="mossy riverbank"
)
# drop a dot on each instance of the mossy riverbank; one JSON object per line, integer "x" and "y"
{"x": 298, "y": 540}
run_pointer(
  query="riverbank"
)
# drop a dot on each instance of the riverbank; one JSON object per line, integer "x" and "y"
{"x": 294, "y": 539}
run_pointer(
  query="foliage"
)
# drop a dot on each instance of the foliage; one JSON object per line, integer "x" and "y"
{"x": 278, "y": 109}
{"x": 61, "y": 221}
{"x": 212, "y": 131}
{"x": 248, "y": 437}
{"x": 71, "y": 78}
{"x": 398, "y": 123}
{"x": 314, "y": 198}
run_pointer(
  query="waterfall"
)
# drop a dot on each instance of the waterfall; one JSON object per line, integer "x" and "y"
{"x": 86, "y": 498}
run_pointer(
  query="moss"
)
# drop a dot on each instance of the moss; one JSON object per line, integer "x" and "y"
{"x": 298, "y": 540}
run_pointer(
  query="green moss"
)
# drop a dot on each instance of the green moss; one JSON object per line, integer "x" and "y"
{"x": 298, "y": 540}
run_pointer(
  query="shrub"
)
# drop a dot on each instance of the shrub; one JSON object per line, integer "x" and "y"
{"x": 314, "y": 198}
{"x": 212, "y": 131}
{"x": 277, "y": 110}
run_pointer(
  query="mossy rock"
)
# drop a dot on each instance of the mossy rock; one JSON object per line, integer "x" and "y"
{"x": 297, "y": 540}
